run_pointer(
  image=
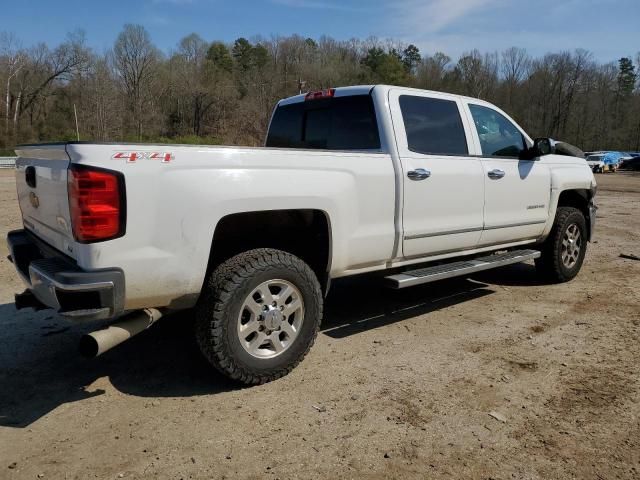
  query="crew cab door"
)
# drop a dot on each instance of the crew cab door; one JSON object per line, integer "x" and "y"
{"x": 517, "y": 192}
{"x": 443, "y": 186}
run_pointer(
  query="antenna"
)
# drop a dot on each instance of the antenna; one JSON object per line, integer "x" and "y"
{"x": 75, "y": 112}
{"x": 301, "y": 85}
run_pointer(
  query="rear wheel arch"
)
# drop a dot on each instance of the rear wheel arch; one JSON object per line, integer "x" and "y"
{"x": 305, "y": 233}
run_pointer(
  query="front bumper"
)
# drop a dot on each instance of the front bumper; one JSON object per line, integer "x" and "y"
{"x": 57, "y": 282}
{"x": 592, "y": 218}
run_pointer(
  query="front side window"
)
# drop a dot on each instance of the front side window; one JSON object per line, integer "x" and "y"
{"x": 433, "y": 126}
{"x": 498, "y": 136}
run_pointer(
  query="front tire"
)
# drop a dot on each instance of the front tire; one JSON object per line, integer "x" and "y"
{"x": 564, "y": 250}
{"x": 259, "y": 315}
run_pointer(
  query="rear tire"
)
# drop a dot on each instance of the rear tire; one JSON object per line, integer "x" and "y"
{"x": 259, "y": 315}
{"x": 564, "y": 250}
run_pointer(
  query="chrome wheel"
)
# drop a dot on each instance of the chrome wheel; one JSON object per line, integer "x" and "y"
{"x": 270, "y": 318}
{"x": 571, "y": 246}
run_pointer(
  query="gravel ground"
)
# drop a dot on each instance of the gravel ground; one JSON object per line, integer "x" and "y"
{"x": 496, "y": 376}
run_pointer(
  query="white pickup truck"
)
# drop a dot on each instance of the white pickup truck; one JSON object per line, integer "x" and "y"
{"x": 419, "y": 184}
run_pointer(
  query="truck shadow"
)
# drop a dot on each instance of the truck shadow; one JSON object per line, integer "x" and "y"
{"x": 363, "y": 303}
{"x": 516, "y": 275}
{"x": 355, "y": 305}
{"x": 41, "y": 369}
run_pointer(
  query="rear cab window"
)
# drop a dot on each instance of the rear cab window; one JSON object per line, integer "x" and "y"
{"x": 336, "y": 123}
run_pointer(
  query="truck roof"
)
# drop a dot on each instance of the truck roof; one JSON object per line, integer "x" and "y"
{"x": 366, "y": 89}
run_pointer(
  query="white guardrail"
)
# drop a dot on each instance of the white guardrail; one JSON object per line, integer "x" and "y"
{"x": 7, "y": 162}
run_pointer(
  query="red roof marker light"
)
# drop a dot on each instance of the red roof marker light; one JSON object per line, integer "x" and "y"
{"x": 328, "y": 93}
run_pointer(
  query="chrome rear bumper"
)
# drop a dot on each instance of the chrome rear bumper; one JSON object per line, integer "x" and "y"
{"x": 57, "y": 282}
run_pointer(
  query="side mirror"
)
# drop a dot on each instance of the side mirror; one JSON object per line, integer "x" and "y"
{"x": 542, "y": 147}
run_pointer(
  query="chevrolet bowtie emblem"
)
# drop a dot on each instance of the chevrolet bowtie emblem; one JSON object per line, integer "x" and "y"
{"x": 35, "y": 201}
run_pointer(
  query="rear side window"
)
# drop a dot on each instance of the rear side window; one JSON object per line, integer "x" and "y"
{"x": 433, "y": 126}
{"x": 339, "y": 123}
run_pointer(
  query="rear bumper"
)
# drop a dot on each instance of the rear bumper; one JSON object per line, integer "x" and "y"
{"x": 58, "y": 283}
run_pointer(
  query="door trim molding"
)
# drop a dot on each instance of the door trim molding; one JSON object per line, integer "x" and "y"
{"x": 474, "y": 229}
{"x": 438, "y": 234}
{"x": 510, "y": 225}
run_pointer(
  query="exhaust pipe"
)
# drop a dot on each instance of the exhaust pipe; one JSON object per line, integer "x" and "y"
{"x": 100, "y": 341}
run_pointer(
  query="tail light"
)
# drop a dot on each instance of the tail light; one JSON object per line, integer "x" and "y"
{"x": 329, "y": 93}
{"x": 97, "y": 203}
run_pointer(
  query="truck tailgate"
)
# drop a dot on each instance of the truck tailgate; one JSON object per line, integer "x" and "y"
{"x": 41, "y": 179}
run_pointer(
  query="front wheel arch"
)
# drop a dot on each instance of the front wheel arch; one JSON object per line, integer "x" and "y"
{"x": 552, "y": 264}
{"x": 581, "y": 199}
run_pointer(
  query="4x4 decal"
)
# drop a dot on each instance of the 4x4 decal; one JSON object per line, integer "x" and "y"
{"x": 132, "y": 157}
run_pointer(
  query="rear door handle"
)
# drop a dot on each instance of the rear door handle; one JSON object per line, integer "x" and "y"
{"x": 496, "y": 173}
{"x": 418, "y": 174}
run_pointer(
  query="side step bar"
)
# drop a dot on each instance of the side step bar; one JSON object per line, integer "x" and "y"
{"x": 457, "y": 269}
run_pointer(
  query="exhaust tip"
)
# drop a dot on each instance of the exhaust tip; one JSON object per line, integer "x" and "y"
{"x": 96, "y": 343}
{"x": 88, "y": 346}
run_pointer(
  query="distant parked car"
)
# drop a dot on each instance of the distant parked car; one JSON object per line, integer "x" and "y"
{"x": 632, "y": 162}
{"x": 610, "y": 160}
{"x": 596, "y": 162}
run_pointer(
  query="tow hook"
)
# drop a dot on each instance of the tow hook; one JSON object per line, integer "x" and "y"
{"x": 27, "y": 299}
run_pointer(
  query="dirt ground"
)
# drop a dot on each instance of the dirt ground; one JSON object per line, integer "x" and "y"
{"x": 400, "y": 384}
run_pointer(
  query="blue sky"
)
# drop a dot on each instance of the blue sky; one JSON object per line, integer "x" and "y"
{"x": 608, "y": 28}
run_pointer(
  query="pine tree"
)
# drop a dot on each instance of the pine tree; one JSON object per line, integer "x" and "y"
{"x": 627, "y": 76}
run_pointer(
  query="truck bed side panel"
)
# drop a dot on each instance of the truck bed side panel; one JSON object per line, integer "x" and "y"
{"x": 174, "y": 206}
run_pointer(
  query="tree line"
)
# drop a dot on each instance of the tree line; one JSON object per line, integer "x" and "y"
{"x": 221, "y": 93}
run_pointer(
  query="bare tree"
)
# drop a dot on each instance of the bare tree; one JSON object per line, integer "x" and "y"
{"x": 14, "y": 59}
{"x": 44, "y": 69}
{"x": 431, "y": 73}
{"x": 514, "y": 68}
{"x": 477, "y": 73}
{"x": 135, "y": 59}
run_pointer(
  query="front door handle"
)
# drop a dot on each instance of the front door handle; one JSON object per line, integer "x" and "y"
{"x": 418, "y": 174}
{"x": 496, "y": 173}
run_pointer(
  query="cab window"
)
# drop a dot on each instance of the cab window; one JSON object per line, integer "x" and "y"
{"x": 340, "y": 123}
{"x": 498, "y": 136}
{"x": 433, "y": 126}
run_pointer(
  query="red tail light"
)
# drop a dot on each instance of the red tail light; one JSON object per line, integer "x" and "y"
{"x": 96, "y": 203}
{"x": 320, "y": 94}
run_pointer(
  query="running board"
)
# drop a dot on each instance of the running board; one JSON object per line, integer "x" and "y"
{"x": 458, "y": 269}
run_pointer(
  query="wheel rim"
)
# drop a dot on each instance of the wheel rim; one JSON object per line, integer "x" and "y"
{"x": 571, "y": 245}
{"x": 270, "y": 318}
